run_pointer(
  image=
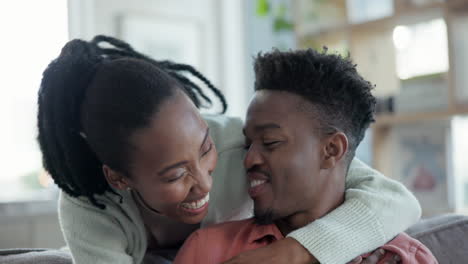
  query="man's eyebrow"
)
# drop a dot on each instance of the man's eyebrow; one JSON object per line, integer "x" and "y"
{"x": 178, "y": 164}
{"x": 262, "y": 127}
{"x": 266, "y": 126}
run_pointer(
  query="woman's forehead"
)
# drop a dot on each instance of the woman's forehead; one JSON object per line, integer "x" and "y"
{"x": 176, "y": 131}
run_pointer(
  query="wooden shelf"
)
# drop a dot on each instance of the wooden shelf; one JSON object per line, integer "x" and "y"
{"x": 458, "y": 5}
{"x": 370, "y": 40}
{"x": 387, "y": 120}
{"x": 373, "y": 24}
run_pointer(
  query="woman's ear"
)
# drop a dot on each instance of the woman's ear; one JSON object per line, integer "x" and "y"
{"x": 115, "y": 179}
{"x": 335, "y": 148}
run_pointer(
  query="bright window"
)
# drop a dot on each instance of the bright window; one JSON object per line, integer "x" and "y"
{"x": 421, "y": 49}
{"x": 460, "y": 145}
{"x": 32, "y": 34}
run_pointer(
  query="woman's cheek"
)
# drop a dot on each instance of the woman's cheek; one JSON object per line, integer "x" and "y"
{"x": 165, "y": 196}
{"x": 176, "y": 192}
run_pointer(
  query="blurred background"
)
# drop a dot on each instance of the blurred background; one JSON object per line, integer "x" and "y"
{"x": 414, "y": 51}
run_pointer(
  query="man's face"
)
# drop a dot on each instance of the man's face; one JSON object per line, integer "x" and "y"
{"x": 285, "y": 156}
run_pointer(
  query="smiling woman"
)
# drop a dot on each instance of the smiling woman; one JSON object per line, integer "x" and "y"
{"x": 146, "y": 144}
{"x": 171, "y": 167}
{"x": 36, "y": 30}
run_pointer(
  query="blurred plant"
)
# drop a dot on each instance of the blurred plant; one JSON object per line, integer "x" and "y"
{"x": 36, "y": 180}
{"x": 263, "y": 7}
{"x": 30, "y": 180}
{"x": 281, "y": 22}
{"x": 281, "y": 19}
{"x": 313, "y": 9}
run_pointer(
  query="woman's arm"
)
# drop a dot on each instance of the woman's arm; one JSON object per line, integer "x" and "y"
{"x": 375, "y": 210}
{"x": 99, "y": 236}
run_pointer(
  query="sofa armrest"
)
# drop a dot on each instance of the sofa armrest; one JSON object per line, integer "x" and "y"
{"x": 34, "y": 256}
{"x": 446, "y": 236}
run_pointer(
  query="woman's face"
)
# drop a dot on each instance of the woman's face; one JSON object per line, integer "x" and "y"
{"x": 172, "y": 161}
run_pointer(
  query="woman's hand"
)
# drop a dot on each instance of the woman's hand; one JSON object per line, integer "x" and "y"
{"x": 375, "y": 257}
{"x": 287, "y": 250}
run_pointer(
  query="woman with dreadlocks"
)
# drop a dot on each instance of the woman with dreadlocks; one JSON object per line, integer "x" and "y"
{"x": 122, "y": 137}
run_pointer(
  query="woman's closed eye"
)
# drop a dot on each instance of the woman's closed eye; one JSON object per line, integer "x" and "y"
{"x": 208, "y": 149}
{"x": 176, "y": 177}
{"x": 177, "y": 174}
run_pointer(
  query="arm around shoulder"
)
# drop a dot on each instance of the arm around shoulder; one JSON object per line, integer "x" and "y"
{"x": 393, "y": 205}
{"x": 375, "y": 210}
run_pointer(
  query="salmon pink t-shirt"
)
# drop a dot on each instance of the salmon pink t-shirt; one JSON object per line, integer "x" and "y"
{"x": 221, "y": 242}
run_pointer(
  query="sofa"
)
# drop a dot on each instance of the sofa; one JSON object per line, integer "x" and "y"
{"x": 446, "y": 236}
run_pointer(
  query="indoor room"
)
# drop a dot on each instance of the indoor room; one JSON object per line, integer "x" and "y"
{"x": 414, "y": 54}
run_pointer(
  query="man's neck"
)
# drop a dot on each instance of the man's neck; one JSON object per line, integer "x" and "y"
{"x": 300, "y": 219}
{"x": 288, "y": 224}
{"x": 329, "y": 200}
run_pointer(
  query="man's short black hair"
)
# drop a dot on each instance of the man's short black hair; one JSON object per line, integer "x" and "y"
{"x": 340, "y": 96}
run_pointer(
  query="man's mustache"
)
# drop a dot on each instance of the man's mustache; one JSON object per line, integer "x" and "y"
{"x": 257, "y": 169}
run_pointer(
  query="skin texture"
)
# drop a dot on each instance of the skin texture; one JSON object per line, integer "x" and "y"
{"x": 178, "y": 136}
{"x": 375, "y": 257}
{"x": 303, "y": 169}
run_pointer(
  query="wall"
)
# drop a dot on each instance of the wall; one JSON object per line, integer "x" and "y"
{"x": 222, "y": 33}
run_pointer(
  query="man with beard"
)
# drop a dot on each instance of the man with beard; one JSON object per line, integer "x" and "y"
{"x": 308, "y": 115}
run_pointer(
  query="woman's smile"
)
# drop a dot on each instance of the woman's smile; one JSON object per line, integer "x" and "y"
{"x": 196, "y": 206}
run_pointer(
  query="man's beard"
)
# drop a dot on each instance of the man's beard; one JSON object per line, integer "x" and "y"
{"x": 265, "y": 217}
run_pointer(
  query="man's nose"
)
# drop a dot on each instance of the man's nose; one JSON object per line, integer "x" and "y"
{"x": 252, "y": 157}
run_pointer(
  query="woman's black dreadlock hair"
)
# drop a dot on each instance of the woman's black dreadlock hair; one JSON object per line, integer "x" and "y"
{"x": 92, "y": 99}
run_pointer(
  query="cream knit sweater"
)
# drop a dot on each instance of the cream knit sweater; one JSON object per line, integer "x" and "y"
{"x": 375, "y": 210}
